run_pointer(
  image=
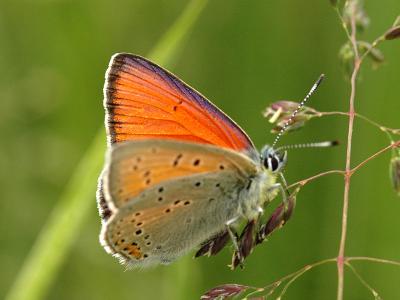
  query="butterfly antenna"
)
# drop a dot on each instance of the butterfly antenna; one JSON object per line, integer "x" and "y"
{"x": 325, "y": 144}
{"x": 312, "y": 90}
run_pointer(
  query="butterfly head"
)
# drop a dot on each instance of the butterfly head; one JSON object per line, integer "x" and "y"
{"x": 272, "y": 159}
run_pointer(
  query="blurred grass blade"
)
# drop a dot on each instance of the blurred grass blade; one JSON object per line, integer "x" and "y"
{"x": 167, "y": 47}
{"x": 60, "y": 230}
{"x": 58, "y": 234}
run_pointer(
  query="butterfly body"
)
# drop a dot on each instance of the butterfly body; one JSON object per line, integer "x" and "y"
{"x": 178, "y": 171}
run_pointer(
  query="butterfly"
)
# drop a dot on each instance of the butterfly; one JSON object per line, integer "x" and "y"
{"x": 179, "y": 173}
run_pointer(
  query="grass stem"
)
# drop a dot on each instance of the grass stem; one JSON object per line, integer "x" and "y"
{"x": 59, "y": 232}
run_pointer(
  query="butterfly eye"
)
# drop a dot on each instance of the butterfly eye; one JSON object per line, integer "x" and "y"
{"x": 272, "y": 159}
{"x": 272, "y": 163}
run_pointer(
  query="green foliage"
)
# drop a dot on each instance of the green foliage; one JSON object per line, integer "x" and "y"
{"x": 242, "y": 55}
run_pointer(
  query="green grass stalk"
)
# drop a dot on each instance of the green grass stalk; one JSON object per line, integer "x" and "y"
{"x": 55, "y": 240}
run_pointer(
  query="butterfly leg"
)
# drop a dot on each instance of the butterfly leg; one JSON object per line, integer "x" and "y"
{"x": 247, "y": 240}
{"x": 216, "y": 243}
{"x": 283, "y": 190}
{"x": 232, "y": 233}
{"x": 284, "y": 187}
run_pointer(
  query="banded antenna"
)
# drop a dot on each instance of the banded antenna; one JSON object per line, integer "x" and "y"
{"x": 312, "y": 90}
{"x": 310, "y": 145}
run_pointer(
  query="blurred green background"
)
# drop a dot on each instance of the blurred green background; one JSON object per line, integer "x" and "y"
{"x": 242, "y": 55}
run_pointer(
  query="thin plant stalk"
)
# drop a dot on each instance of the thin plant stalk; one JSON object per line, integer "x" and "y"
{"x": 340, "y": 257}
{"x": 60, "y": 230}
{"x": 290, "y": 278}
{"x": 387, "y": 130}
{"x": 305, "y": 181}
{"x": 348, "y": 173}
{"x": 363, "y": 282}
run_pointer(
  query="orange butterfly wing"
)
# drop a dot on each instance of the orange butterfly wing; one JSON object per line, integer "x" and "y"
{"x": 142, "y": 100}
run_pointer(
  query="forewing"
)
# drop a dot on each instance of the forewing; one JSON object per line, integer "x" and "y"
{"x": 142, "y": 100}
